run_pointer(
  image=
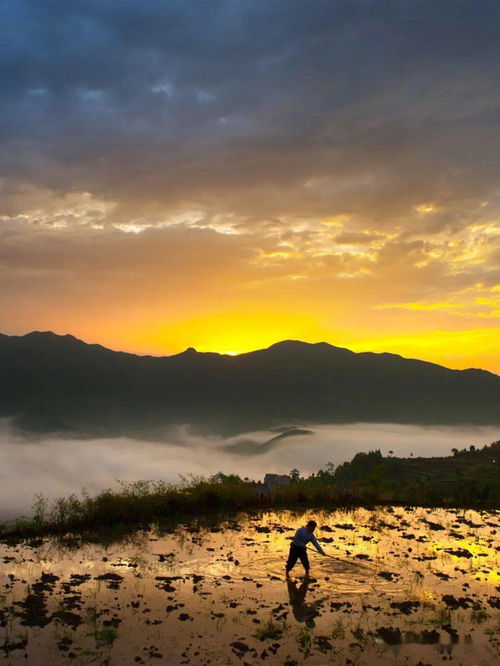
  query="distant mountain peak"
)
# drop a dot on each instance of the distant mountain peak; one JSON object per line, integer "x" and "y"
{"x": 298, "y": 345}
{"x": 283, "y": 349}
{"x": 284, "y": 344}
{"x": 38, "y": 334}
{"x": 54, "y": 341}
{"x": 51, "y": 382}
{"x": 49, "y": 335}
{"x": 191, "y": 352}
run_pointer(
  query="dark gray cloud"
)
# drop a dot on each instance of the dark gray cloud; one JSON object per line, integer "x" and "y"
{"x": 166, "y": 160}
{"x": 259, "y": 107}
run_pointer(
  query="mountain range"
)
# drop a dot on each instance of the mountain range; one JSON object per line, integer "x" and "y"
{"x": 57, "y": 383}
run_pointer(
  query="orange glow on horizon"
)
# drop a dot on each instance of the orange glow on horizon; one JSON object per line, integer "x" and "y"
{"x": 234, "y": 334}
{"x": 175, "y": 200}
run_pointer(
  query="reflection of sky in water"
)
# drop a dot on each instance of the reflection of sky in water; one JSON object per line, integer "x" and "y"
{"x": 56, "y": 466}
{"x": 230, "y": 582}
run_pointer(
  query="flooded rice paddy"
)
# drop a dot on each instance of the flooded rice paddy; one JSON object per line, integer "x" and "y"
{"x": 407, "y": 586}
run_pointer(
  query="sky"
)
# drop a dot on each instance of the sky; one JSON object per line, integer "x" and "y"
{"x": 226, "y": 174}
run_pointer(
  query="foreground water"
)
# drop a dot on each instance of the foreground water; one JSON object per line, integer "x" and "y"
{"x": 408, "y": 586}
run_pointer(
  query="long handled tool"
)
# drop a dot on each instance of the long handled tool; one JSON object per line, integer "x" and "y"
{"x": 311, "y": 550}
{"x": 338, "y": 559}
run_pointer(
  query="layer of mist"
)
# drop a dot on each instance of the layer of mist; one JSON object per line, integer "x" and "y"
{"x": 56, "y": 466}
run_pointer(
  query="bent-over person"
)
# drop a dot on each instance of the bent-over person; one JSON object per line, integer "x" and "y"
{"x": 298, "y": 550}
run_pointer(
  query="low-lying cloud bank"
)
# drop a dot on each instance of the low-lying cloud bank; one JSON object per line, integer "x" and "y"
{"x": 59, "y": 466}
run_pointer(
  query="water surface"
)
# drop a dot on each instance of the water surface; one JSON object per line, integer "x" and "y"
{"x": 402, "y": 586}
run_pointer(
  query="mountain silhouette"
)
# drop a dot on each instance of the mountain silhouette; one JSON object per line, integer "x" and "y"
{"x": 54, "y": 383}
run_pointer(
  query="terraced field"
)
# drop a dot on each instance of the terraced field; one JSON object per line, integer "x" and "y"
{"x": 402, "y": 586}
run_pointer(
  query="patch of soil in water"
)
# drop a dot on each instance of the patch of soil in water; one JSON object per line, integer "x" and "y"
{"x": 412, "y": 586}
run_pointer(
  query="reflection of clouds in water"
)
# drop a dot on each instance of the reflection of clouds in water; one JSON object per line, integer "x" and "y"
{"x": 59, "y": 466}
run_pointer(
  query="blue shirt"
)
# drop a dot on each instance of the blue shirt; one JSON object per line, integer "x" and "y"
{"x": 302, "y": 538}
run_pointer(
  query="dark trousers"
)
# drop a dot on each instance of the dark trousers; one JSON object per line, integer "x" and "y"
{"x": 297, "y": 553}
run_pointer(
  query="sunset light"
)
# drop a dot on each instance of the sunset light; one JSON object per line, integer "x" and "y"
{"x": 150, "y": 207}
{"x": 250, "y": 332}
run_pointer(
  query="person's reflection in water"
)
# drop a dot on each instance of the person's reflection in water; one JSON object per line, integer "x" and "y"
{"x": 302, "y": 612}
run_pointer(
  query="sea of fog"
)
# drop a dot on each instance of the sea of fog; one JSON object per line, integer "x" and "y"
{"x": 55, "y": 466}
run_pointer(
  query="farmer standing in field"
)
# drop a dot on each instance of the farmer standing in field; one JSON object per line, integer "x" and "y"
{"x": 302, "y": 537}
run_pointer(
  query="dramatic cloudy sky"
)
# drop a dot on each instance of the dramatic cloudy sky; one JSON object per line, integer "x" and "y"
{"x": 228, "y": 173}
